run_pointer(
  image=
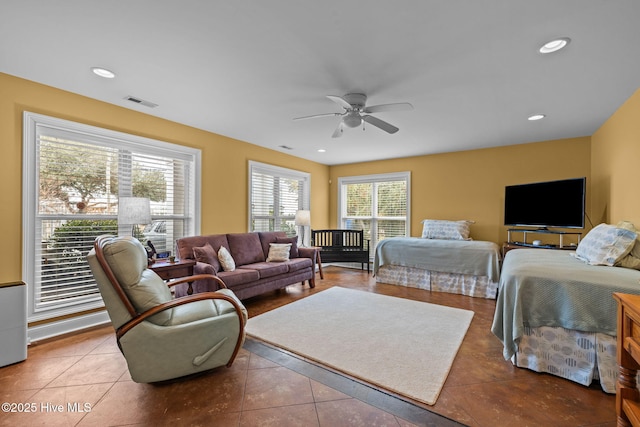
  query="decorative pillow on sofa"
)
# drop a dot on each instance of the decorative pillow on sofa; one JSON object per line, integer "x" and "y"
{"x": 446, "y": 230}
{"x": 279, "y": 252}
{"x": 207, "y": 255}
{"x": 293, "y": 253}
{"x": 633, "y": 259}
{"x": 226, "y": 260}
{"x": 606, "y": 245}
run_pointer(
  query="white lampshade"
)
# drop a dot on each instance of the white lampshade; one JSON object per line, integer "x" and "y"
{"x": 303, "y": 217}
{"x": 134, "y": 210}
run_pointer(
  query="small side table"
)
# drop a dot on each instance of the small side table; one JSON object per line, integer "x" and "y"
{"x": 174, "y": 270}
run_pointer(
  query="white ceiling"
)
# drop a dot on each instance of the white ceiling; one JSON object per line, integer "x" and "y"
{"x": 245, "y": 69}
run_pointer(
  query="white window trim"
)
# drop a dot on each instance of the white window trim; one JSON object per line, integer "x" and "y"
{"x": 394, "y": 176}
{"x": 284, "y": 172}
{"x": 30, "y": 194}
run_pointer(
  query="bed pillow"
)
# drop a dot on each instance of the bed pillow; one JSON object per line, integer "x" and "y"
{"x": 446, "y": 230}
{"x": 633, "y": 259}
{"x": 606, "y": 245}
{"x": 278, "y": 252}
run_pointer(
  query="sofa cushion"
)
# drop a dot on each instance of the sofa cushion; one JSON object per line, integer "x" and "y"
{"x": 297, "y": 264}
{"x": 226, "y": 260}
{"x": 293, "y": 252}
{"x": 268, "y": 269}
{"x": 185, "y": 245}
{"x": 279, "y": 252}
{"x": 267, "y": 237}
{"x": 245, "y": 248}
{"x": 207, "y": 255}
{"x": 238, "y": 277}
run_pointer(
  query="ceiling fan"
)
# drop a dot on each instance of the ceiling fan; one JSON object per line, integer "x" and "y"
{"x": 356, "y": 113}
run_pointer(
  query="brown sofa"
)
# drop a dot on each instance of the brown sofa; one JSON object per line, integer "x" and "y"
{"x": 253, "y": 274}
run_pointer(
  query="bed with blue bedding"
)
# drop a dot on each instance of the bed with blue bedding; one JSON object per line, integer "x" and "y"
{"x": 556, "y": 314}
{"x": 467, "y": 267}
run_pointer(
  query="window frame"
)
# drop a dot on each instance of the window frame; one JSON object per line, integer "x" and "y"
{"x": 30, "y": 214}
{"x": 280, "y": 172}
{"x": 367, "y": 179}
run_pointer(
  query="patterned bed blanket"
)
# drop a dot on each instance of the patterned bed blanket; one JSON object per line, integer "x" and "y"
{"x": 544, "y": 287}
{"x": 472, "y": 257}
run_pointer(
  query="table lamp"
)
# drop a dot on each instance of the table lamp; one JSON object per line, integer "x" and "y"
{"x": 303, "y": 219}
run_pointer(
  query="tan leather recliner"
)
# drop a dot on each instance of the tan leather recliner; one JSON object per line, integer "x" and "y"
{"x": 161, "y": 337}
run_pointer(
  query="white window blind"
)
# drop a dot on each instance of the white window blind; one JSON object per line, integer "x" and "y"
{"x": 377, "y": 204}
{"x": 74, "y": 177}
{"x": 275, "y": 195}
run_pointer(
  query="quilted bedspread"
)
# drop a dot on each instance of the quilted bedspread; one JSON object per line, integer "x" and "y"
{"x": 473, "y": 257}
{"x": 545, "y": 287}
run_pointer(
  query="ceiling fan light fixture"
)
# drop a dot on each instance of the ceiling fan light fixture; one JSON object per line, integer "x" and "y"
{"x": 555, "y": 45}
{"x": 352, "y": 119}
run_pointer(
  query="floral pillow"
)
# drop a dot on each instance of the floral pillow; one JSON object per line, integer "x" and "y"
{"x": 278, "y": 252}
{"x": 446, "y": 230}
{"x": 606, "y": 245}
{"x": 226, "y": 260}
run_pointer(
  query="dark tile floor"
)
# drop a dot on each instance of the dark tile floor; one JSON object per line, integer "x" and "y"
{"x": 86, "y": 374}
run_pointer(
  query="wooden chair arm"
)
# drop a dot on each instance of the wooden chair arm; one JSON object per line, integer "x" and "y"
{"x": 176, "y": 302}
{"x": 197, "y": 277}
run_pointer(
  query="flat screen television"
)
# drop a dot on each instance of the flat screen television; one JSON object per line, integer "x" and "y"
{"x": 558, "y": 204}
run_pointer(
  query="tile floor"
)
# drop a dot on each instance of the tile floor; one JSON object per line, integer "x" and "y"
{"x": 82, "y": 380}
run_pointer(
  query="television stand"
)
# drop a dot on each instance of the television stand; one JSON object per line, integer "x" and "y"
{"x": 527, "y": 231}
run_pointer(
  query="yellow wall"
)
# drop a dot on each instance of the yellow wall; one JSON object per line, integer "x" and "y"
{"x": 615, "y": 165}
{"x": 224, "y": 161}
{"x": 459, "y": 185}
{"x": 470, "y": 184}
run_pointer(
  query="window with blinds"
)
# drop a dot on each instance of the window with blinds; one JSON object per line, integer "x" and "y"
{"x": 275, "y": 195}
{"x": 74, "y": 177}
{"x": 377, "y": 204}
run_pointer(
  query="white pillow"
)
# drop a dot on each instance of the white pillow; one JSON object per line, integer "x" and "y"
{"x": 446, "y": 230}
{"x": 226, "y": 260}
{"x": 279, "y": 252}
{"x": 606, "y": 245}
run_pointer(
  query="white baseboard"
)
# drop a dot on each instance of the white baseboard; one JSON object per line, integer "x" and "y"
{"x": 65, "y": 326}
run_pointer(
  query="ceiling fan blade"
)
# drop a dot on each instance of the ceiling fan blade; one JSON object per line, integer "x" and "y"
{"x": 400, "y": 106}
{"x": 340, "y": 101}
{"x": 317, "y": 115}
{"x": 338, "y": 132}
{"x": 387, "y": 127}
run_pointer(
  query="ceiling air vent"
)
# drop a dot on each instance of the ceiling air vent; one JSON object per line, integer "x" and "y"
{"x": 286, "y": 147}
{"x": 141, "y": 101}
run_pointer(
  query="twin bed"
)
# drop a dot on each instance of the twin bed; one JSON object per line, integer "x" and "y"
{"x": 554, "y": 312}
{"x": 466, "y": 267}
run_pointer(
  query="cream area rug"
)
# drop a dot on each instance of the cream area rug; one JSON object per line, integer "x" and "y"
{"x": 406, "y": 347}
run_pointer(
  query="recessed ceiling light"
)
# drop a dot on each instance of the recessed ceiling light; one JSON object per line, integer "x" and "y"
{"x": 103, "y": 72}
{"x": 321, "y": 150}
{"x": 555, "y": 45}
{"x": 536, "y": 117}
